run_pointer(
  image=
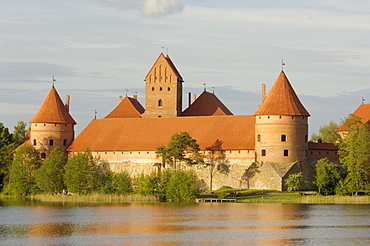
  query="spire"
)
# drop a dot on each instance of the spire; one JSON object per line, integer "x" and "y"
{"x": 282, "y": 100}
{"x": 52, "y": 110}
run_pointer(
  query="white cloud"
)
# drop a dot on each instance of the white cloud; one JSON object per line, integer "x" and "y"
{"x": 159, "y": 8}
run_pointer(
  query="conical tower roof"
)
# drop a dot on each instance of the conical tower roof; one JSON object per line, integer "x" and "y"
{"x": 282, "y": 100}
{"x": 52, "y": 110}
{"x": 207, "y": 104}
{"x": 127, "y": 108}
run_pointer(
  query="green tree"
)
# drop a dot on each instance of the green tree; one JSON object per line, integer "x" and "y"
{"x": 146, "y": 184}
{"x": 182, "y": 186}
{"x": 117, "y": 183}
{"x": 19, "y": 132}
{"x": 82, "y": 174}
{"x": 327, "y": 133}
{"x": 327, "y": 177}
{"x": 181, "y": 148}
{"x": 294, "y": 181}
{"x": 22, "y": 172}
{"x": 354, "y": 152}
{"x": 49, "y": 177}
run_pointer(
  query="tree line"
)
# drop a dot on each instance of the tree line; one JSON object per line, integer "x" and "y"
{"x": 352, "y": 174}
{"x": 84, "y": 174}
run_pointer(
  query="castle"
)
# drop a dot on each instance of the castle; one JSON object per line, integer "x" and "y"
{"x": 275, "y": 138}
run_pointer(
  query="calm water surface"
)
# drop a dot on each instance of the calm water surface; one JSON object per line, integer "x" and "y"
{"x": 35, "y": 223}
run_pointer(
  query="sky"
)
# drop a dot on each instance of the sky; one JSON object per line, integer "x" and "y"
{"x": 99, "y": 50}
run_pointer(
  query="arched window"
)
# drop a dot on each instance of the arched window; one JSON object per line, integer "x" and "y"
{"x": 258, "y": 138}
{"x": 159, "y": 116}
{"x": 160, "y": 88}
{"x": 34, "y": 142}
{"x": 152, "y": 88}
{"x": 160, "y": 102}
{"x": 65, "y": 142}
{"x": 286, "y": 152}
{"x": 168, "y": 88}
{"x": 283, "y": 138}
{"x": 51, "y": 142}
{"x": 263, "y": 152}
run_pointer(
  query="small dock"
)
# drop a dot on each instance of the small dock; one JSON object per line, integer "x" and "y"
{"x": 203, "y": 200}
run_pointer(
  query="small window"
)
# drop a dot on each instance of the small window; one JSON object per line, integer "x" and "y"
{"x": 263, "y": 153}
{"x": 292, "y": 117}
{"x": 34, "y": 142}
{"x": 279, "y": 117}
{"x": 51, "y": 142}
{"x": 283, "y": 138}
{"x": 55, "y": 124}
{"x": 65, "y": 142}
{"x": 268, "y": 117}
{"x": 152, "y": 88}
{"x": 160, "y": 88}
{"x": 258, "y": 138}
{"x": 305, "y": 138}
{"x": 159, "y": 116}
{"x": 286, "y": 152}
{"x": 159, "y": 103}
{"x": 43, "y": 155}
{"x": 168, "y": 88}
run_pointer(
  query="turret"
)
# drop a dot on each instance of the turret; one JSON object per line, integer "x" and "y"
{"x": 281, "y": 125}
{"x": 52, "y": 126}
{"x": 163, "y": 89}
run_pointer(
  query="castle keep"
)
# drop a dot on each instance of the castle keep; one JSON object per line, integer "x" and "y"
{"x": 274, "y": 139}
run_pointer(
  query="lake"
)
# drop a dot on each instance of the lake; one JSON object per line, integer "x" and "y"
{"x": 25, "y": 222}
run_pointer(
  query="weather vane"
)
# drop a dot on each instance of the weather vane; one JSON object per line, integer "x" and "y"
{"x": 282, "y": 64}
{"x": 53, "y": 79}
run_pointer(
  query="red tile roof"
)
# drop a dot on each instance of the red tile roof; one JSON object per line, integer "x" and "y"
{"x": 363, "y": 112}
{"x": 127, "y": 108}
{"x": 133, "y": 134}
{"x": 282, "y": 100}
{"x": 207, "y": 104}
{"x": 52, "y": 110}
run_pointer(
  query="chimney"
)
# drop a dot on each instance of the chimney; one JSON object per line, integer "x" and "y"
{"x": 135, "y": 97}
{"x": 68, "y": 98}
{"x": 189, "y": 99}
{"x": 263, "y": 92}
{"x": 120, "y": 99}
{"x": 195, "y": 97}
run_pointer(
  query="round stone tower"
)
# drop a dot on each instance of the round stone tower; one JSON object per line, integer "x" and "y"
{"x": 281, "y": 126}
{"x": 52, "y": 126}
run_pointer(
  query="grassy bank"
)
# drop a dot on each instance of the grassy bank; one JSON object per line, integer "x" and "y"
{"x": 268, "y": 196}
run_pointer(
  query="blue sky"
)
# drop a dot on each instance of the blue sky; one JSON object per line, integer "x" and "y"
{"x": 98, "y": 49}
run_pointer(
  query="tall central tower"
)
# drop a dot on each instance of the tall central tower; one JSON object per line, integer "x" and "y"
{"x": 163, "y": 89}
